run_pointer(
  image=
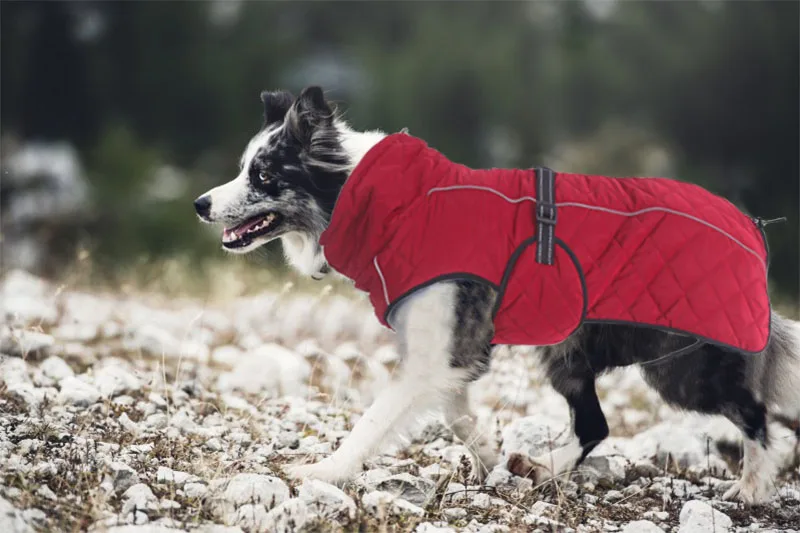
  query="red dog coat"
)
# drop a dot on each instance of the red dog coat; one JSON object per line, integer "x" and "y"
{"x": 560, "y": 249}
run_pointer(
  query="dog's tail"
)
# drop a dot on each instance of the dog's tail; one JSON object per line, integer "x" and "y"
{"x": 776, "y": 372}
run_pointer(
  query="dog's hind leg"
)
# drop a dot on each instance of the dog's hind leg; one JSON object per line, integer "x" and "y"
{"x": 571, "y": 376}
{"x": 470, "y": 352}
{"x": 712, "y": 380}
{"x": 462, "y": 421}
{"x": 424, "y": 323}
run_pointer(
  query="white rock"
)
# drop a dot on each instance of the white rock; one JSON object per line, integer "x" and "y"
{"x": 75, "y": 391}
{"x": 531, "y": 435}
{"x": 77, "y": 332}
{"x": 139, "y": 497}
{"x": 641, "y": 526}
{"x": 24, "y": 342}
{"x": 126, "y": 422}
{"x": 789, "y": 493}
{"x": 114, "y": 378}
{"x": 217, "y": 528}
{"x": 215, "y": 445}
{"x": 699, "y": 517}
{"x": 45, "y": 492}
{"x": 25, "y": 311}
{"x": 288, "y": 517}
{"x": 56, "y": 368}
{"x": 427, "y": 527}
{"x": 434, "y": 472}
{"x": 685, "y": 446}
{"x": 227, "y": 355}
{"x": 195, "y": 490}
{"x": 455, "y": 513}
{"x": 416, "y": 490}
{"x": 122, "y": 477}
{"x": 149, "y": 528}
{"x": 34, "y": 515}
{"x": 256, "y": 488}
{"x": 257, "y": 492}
{"x": 14, "y": 370}
{"x": 253, "y": 376}
{"x": 382, "y": 504}
{"x": 169, "y": 504}
{"x": 11, "y": 520}
{"x": 173, "y": 477}
{"x": 151, "y": 339}
{"x": 603, "y": 470}
{"x": 326, "y": 500}
{"x": 28, "y": 393}
{"x": 369, "y": 479}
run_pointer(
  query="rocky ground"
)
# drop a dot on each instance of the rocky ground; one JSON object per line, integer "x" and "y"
{"x": 128, "y": 414}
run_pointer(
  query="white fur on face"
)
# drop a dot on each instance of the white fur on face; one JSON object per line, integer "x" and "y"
{"x": 229, "y": 201}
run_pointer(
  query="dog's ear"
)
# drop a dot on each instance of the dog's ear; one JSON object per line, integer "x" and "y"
{"x": 308, "y": 113}
{"x": 276, "y": 105}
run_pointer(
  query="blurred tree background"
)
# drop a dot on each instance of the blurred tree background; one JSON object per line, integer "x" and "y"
{"x": 156, "y": 100}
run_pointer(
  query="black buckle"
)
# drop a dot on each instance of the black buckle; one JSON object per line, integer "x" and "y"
{"x": 546, "y": 213}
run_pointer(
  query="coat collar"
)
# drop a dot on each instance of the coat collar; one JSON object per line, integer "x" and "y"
{"x": 363, "y": 216}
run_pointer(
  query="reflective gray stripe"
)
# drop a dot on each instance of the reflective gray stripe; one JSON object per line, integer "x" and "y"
{"x": 383, "y": 280}
{"x": 539, "y": 242}
{"x": 605, "y": 210}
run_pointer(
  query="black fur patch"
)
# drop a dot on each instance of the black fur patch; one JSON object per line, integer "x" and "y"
{"x": 276, "y": 104}
{"x": 474, "y": 328}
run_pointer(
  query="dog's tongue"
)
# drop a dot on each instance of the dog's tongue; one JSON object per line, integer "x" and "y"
{"x": 244, "y": 226}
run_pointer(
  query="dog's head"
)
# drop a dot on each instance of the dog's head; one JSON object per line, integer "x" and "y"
{"x": 291, "y": 174}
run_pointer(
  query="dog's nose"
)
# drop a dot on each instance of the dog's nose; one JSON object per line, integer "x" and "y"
{"x": 203, "y": 206}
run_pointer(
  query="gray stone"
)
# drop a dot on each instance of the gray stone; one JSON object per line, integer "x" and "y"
{"x": 602, "y": 470}
{"x": 24, "y": 342}
{"x": 700, "y": 517}
{"x": 416, "y": 490}
{"x": 115, "y": 379}
{"x": 122, "y": 477}
{"x": 531, "y": 435}
{"x": 288, "y": 517}
{"x": 75, "y": 391}
{"x": 11, "y": 520}
{"x": 326, "y": 500}
{"x": 195, "y": 490}
{"x": 250, "y": 489}
{"x": 641, "y": 526}
{"x": 382, "y": 504}
{"x": 139, "y": 498}
{"x": 56, "y": 368}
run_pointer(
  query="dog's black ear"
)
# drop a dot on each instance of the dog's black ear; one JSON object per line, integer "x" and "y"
{"x": 309, "y": 112}
{"x": 276, "y": 105}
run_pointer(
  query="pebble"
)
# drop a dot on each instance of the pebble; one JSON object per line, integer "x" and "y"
{"x": 700, "y": 517}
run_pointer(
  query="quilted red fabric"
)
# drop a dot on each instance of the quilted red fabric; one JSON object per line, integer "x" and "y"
{"x": 646, "y": 251}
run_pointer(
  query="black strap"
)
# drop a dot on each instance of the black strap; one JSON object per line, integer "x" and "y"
{"x": 546, "y": 215}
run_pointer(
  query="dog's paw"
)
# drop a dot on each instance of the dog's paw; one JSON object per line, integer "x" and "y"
{"x": 325, "y": 470}
{"x": 483, "y": 462}
{"x": 749, "y": 491}
{"x": 523, "y": 466}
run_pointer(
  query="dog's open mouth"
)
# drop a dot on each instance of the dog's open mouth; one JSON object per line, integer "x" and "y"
{"x": 244, "y": 234}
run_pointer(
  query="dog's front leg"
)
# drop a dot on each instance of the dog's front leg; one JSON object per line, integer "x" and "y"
{"x": 385, "y": 413}
{"x": 425, "y": 326}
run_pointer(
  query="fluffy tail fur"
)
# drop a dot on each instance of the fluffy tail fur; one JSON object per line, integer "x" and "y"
{"x": 775, "y": 374}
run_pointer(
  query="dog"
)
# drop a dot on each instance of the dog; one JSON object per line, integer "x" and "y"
{"x": 291, "y": 174}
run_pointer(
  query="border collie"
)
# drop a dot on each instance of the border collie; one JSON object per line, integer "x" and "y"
{"x": 290, "y": 176}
